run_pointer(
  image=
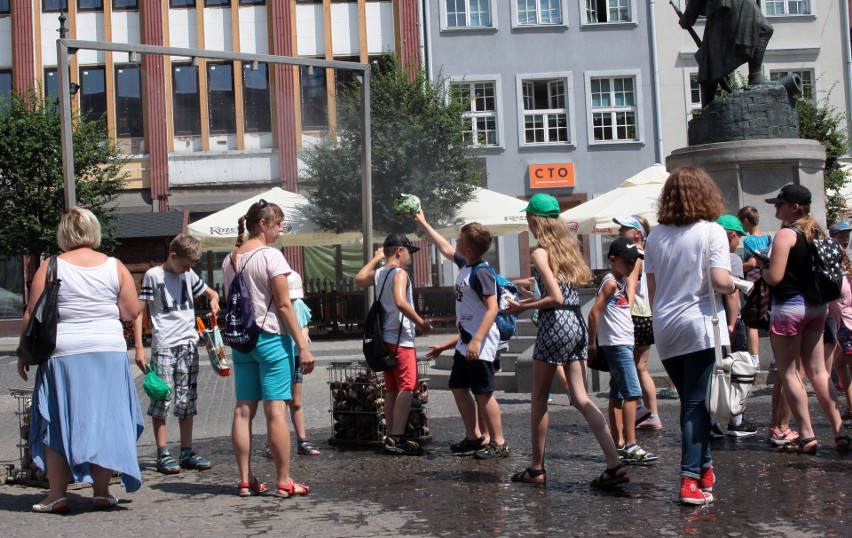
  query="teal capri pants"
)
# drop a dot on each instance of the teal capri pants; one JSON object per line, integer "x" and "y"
{"x": 266, "y": 372}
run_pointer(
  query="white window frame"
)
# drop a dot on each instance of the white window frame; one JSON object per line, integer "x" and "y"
{"x": 567, "y": 77}
{"x": 786, "y": 13}
{"x": 563, "y": 6}
{"x": 442, "y": 4}
{"x": 634, "y": 15}
{"x": 797, "y": 68}
{"x": 636, "y": 74}
{"x": 498, "y": 103}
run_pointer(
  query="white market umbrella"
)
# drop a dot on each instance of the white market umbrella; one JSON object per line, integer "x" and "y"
{"x": 219, "y": 230}
{"x": 636, "y": 196}
{"x": 500, "y": 213}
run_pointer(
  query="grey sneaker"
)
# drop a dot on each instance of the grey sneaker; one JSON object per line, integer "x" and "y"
{"x": 491, "y": 451}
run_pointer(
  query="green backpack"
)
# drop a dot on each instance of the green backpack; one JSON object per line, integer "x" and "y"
{"x": 154, "y": 387}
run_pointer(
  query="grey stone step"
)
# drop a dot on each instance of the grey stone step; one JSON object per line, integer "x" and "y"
{"x": 526, "y": 327}
{"x": 519, "y": 344}
{"x": 439, "y": 380}
{"x": 507, "y": 362}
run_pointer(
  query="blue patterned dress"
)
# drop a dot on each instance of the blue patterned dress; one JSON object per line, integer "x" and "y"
{"x": 562, "y": 334}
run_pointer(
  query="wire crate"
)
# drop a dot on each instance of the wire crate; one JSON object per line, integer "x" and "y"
{"x": 26, "y": 471}
{"x": 357, "y": 397}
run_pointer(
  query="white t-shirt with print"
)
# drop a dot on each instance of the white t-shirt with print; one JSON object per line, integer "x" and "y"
{"x": 470, "y": 310}
{"x": 170, "y": 298}
{"x": 261, "y": 266}
{"x": 682, "y": 315}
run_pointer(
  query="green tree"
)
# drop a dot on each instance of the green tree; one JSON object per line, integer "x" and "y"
{"x": 822, "y": 122}
{"x": 418, "y": 147}
{"x": 31, "y": 185}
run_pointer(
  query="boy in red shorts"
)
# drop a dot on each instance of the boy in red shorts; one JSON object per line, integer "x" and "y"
{"x": 393, "y": 290}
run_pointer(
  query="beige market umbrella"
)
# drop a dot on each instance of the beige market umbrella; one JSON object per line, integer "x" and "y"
{"x": 636, "y": 196}
{"x": 500, "y": 213}
{"x": 219, "y": 230}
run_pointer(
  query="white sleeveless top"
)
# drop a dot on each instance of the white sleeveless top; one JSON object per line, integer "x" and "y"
{"x": 393, "y": 317}
{"x": 88, "y": 309}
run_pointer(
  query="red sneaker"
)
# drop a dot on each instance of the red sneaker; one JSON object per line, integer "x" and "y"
{"x": 691, "y": 494}
{"x": 708, "y": 478}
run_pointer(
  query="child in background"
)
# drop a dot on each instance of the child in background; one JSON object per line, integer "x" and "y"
{"x": 841, "y": 311}
{"x": 472, "y": 375}
{"x": 755, "y": 242}
{"x": 168, "y": 291}
{"x": 610, "y": 320}
{"x": 737, "y": 426}
{"x": 636, "y": 228}
{"x": 297, "y": 415}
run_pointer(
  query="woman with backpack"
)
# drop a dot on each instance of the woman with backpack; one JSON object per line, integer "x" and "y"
{"x": 263, "y": 371}
{"x": 796, "y": 324}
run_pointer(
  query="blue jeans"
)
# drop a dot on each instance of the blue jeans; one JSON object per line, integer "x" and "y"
{"x": 690, "y": 374}
{"x": 623, "y": 379}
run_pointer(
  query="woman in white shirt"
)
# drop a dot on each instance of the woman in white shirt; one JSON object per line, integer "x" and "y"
{"x": 676, "y": 268}
{"x": 86, "y": 417}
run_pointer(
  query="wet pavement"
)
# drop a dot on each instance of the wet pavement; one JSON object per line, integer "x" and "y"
{"x": 361, "y": 492}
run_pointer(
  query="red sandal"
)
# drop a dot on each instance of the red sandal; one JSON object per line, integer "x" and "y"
{"x": 289, "y": 489}
{"x": 254, "y": 488}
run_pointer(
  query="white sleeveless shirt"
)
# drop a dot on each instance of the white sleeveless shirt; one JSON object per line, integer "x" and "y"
{"x": 393, "y": 317}
{"x": 88, "y": 309}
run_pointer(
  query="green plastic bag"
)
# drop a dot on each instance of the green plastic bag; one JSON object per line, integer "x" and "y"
{"x": 154, "y": 387}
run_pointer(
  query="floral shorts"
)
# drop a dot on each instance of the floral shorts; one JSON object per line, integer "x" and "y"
{"x": 643, "y": 331}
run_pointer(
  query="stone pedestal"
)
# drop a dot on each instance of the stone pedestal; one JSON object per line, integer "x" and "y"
{"x": 749, "y": 171}
{"x": 767, "y": 111}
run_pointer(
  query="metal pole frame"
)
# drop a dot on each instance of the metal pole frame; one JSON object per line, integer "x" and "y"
{"x": 67, "y": 47}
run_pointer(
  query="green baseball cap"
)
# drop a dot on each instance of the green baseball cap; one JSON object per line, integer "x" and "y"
{"x": 543, "y": 205}
{"x": 731, "y": 223}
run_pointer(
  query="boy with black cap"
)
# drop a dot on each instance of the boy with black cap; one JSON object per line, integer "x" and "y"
{"x": 398, "y": 333}
{"x": 611, "y": 321}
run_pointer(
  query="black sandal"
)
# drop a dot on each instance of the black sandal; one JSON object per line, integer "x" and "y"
{"x": 799, "y": 446}
{"x": 610, "y": 477}
{"x": 531, "y": 476}
{"x": 847, "y": 443}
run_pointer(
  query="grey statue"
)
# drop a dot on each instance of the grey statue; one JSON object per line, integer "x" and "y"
{"x": 736, "y": 32}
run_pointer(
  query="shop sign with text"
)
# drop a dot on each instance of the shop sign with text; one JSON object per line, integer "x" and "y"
{"x": 548, "y": 176}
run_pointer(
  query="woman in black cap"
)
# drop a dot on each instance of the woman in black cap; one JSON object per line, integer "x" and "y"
{"x": 796, "y": 325}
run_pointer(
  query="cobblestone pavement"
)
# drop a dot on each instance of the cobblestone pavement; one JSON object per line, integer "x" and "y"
{"x": 361, "y": 492}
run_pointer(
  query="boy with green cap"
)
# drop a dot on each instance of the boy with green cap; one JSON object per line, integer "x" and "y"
{"x": 737, "y": 426}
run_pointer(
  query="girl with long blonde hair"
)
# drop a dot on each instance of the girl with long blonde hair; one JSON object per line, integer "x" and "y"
{"x": 562, "y": 338}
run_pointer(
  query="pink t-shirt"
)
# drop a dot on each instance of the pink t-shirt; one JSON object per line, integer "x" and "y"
{"x": 259, "y": 267}
{"x": 841, "y": 309}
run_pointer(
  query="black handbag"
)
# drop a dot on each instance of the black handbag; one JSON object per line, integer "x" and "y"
{"x": 39, "y": 338}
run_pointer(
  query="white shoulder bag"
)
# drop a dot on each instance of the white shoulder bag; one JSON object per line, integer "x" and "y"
{"x": 733, "y": 376}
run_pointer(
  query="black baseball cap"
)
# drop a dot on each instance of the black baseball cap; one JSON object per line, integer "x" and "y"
{"x": 625, "y": 249}
{"x": 400, "y": 240}
{"x": 792, "y": 193}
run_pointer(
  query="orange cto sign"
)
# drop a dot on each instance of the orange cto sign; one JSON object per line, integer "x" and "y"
{"x": 547, "y": 176}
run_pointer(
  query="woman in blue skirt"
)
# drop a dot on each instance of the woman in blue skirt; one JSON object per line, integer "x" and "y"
{"x": 85, "y": 413}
